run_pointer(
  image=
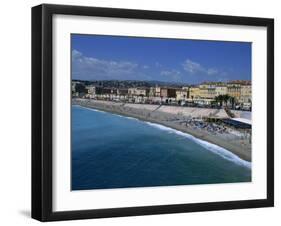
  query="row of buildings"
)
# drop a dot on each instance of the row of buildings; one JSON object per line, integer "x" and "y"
{"x": 203, "y": 94}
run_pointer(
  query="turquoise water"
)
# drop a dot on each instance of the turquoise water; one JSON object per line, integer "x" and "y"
{"x": 111, "y": 151}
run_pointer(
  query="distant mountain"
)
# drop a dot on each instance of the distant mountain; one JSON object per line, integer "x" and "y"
{"x": 131, "y": 83}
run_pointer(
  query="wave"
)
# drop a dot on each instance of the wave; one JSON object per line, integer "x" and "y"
{"x": 128, "y": 117}
{"x": 106, "y": 112}
{"x": 224, "y": 153}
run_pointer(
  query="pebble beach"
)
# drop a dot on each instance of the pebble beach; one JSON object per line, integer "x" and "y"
{"x": 185, "y": 119}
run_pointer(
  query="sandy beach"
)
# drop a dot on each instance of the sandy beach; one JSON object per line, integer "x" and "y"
{"x": 184, "y": 119}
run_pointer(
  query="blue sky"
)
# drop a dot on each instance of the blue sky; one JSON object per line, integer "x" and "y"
{"x": 99, "y": 57}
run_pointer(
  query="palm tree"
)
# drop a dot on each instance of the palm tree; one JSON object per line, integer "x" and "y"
{"x": 232, "y": 101}
{"x": 222, "y": 99}
{"x": 218, "y": 99}
{"x": 226, "y": 98}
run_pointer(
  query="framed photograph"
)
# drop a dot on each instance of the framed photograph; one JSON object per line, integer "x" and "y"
{"x": 145, "y": 112}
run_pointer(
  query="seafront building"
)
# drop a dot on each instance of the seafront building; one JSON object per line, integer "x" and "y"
{"x": 234, "y": 90}
{"x": 182, "y": 94}
{"x": 246, "y": 94}
{"x": 194, "y": 93}
{"x": 237, "y": 94}
{"x": 221, "y": 90}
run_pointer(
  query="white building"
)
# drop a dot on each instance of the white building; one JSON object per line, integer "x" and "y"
{"x": 221, "y": 90}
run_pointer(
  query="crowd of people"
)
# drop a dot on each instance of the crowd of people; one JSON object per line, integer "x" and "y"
{"x": 208, "y": 126}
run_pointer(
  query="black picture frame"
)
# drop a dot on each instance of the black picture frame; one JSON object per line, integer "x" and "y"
{"x": 42, "y": 111}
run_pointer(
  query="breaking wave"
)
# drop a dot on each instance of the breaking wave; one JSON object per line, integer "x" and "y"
{"x": 224, "y": 153}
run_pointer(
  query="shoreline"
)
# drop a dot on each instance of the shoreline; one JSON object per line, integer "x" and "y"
{"x": 232, "y": 145}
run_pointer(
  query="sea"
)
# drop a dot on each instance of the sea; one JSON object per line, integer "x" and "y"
{"x": 112, "y": 151}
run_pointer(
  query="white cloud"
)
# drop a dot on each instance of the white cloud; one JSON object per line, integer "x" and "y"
{"x": 202, "y": 73}
{"x": 212, "y": 71}
{"x": 192, "y": 67}
{"x": 157, "y": 64}
{"x": 171, "y": 75}
{"x": 76, "y": 54}
{"x": 91, "y": 68}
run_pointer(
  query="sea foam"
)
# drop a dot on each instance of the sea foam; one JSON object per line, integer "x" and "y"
{"x": 101, "y": 111}
{"x": 224, "y": 153}
{"x": 92, "y": 109}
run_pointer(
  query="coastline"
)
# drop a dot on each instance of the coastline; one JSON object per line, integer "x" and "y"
{"x": 237, "y": 147}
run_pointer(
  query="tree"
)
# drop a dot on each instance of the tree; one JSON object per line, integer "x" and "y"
{"x": 80, "y": 88}
{"x": 232, "y": 100}
{"x": 225, "y": 98}
{"x": 222, "y": 99}
{"x": 219, "y": 99}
